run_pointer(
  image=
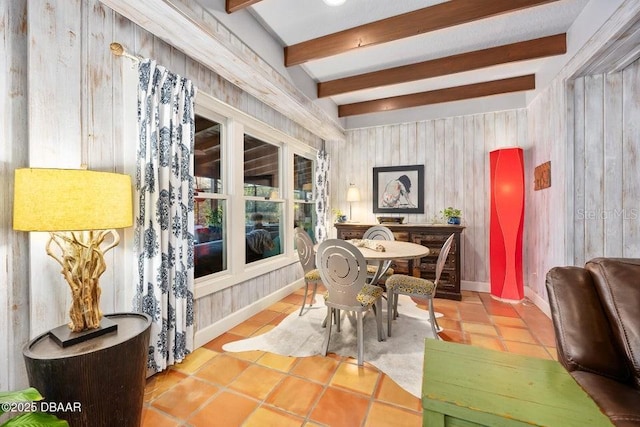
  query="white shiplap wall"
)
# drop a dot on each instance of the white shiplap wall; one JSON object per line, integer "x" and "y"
{"x": 14, "y": 292}
{"x": 75, "y": 100}
{"x": 455, "y": 153}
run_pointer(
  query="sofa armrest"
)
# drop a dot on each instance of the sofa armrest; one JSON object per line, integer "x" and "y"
{"x": 583, "y": 333}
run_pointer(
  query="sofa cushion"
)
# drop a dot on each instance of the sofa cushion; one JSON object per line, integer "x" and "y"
{"x": 618, "y": 401}
{"x": 583, "y": 334}
{"x": 618, "y": 284}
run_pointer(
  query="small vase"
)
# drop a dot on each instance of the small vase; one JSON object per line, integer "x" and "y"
{"x": 454, "y": 220}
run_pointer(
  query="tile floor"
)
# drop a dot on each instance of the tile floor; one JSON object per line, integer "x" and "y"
{"x": 213, "y": 388}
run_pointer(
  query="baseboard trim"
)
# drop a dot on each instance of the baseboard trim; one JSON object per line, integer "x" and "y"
{"x": 540, "y": 302}
{"x": 218, "y": 328}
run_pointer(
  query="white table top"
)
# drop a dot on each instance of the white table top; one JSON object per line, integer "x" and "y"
{"x": 394, "y": 249}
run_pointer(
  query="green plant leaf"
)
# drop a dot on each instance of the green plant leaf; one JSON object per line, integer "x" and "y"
{"x": 27, "y": 395}
{"x": 35, "y": 419}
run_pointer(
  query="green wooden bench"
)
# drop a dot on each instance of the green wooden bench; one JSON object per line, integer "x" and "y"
{"x": 466, "y": 386}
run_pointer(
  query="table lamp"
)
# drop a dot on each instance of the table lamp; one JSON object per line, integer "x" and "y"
{"x": 79, "y": 209}
{"x": 353, "y": 195}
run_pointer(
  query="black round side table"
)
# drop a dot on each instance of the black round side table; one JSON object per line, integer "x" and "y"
{"x": 99, "y": 382}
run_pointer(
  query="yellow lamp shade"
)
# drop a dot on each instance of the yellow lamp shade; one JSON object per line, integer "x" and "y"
{"x": 71, "y": 200}
{"x": 353, "y": 194}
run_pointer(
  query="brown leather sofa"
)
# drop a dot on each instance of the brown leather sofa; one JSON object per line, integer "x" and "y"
{"x": 596, "y": 316}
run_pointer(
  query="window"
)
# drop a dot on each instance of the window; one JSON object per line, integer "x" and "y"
{"x": 210, "y": 250}
{"x": 264, "y": 205}
{"x": 304, "y": 210}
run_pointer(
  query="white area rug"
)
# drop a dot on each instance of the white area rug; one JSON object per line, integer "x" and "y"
{"x": 400, "y": 356}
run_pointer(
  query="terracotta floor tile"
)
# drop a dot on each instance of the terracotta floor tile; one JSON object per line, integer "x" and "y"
{"x": 185, "y": 397}
{"x": 332, "y": 408}
{"x": 222, "y": 370}
{"x": 315, "y": 368}
{"x": 161, "y": 382}
{"x": 479, "y": 328}
{"x": 515, "y": 322}
{"x": 277, "y": 362}
{"x": 153, "y": 418}
{"x": 195, "y": 360}
{"x": 271, "y": 417}
{"x": 553, "y": 352}
{"x": 447, "y": 323}
{"x": 250, "y": 356}
{"x": 217, "y": 343}
{"x": 389, "y": 391}
{"x": 264, "y": 317}
{"x": 254, "y": 388}
{"x": 264, "y": 329}
{"x": 296, "y": 299}
{"x": 527, "y": 349}
{"x": 225, "y": 410}
{"x": 283, "y": 307}
{"x": 516, "y": 334}
{"x": 295, "y": 395}
{"x": 383, "y": 415}
{"x": 246, "y": 328}
{"x": 485, "y": 341}
{"x": 256, "y": 381}
{"x": 454, "y": 336}
{"x": 471, "y": 297}
{"x": 361, "y": 379}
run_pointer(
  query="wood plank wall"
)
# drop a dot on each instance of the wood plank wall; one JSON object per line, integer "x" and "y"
{"x": 455, "y": 153}
{"x": 75, "y": 95}
{"x": 14, "y": 292}
{"x": 606, "y": 165}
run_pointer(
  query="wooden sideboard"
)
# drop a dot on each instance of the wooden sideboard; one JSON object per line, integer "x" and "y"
{"x": 432, "y": 236}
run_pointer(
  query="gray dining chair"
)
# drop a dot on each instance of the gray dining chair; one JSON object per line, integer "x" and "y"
{"x": 304, "y": 246}
{"x": 343, "y": 270}
{"x": 416, "y": 287}
{"x": 379, "y": 232}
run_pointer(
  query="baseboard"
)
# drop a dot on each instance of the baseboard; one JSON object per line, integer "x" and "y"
{"x": 216, "y": 329}
{"x": 468, "y": 285}
{"x": 541, "y": 303}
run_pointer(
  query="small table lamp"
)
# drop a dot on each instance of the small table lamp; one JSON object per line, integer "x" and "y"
{"x": 353, "y": 195}
{"x": 79, "y": 209}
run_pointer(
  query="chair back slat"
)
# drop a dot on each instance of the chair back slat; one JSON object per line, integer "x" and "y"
{"x": 343, "y": 270}
{"x": 304, "y": 246}
{"x": 442, "y": 257}
{"x": 378, "y": 232}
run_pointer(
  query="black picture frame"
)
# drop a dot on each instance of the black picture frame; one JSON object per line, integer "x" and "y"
{"x": 389, "y": 189}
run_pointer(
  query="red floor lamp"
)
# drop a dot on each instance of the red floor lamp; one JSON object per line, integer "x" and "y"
{"x": 507, "y": 218}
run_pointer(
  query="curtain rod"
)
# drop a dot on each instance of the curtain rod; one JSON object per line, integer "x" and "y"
{"x": 118, "y": 50}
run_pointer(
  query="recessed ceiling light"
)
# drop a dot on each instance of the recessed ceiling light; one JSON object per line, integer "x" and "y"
{"x": 334, "y": 2}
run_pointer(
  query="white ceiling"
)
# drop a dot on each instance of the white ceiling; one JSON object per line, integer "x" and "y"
{"x": 295, "y": 21}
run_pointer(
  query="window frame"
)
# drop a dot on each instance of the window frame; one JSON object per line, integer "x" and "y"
{"x": 236, "y": 124}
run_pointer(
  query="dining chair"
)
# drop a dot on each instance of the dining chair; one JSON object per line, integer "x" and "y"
{"x": 379, "y": 232}
{"x": 304, "y": 246}
{"x": 416, "y": 287}
{"x": 343, "y": 270}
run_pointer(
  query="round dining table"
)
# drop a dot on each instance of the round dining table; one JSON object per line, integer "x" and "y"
{"x": 393, "y": 249}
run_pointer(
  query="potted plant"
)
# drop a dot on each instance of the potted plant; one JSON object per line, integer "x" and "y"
{"x": 452, "y": 215}
{"x": 340, "y": 217}
{"x": 26, "y": 401}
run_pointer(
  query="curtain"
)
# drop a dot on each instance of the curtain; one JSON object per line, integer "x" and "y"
{"x": 322, "y": 194}
{"x": 164, "y": 204}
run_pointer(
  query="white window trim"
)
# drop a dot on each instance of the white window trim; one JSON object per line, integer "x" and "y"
{"x": 237, "y": 123}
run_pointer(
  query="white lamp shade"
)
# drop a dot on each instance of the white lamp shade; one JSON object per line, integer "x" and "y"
{"x": 334, "y": 2}
{"x": 353, "y": 194}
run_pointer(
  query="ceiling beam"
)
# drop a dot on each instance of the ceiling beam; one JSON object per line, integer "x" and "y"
{"x": 521, "y": 51}
{"x": 439, "y": 16}
{"x": 235, "y": 5}
{"x": 476, "y": 90}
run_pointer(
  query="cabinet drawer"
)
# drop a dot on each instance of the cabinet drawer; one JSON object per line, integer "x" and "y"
{"x": 400, "y": 266}
{"x": 348, "y": 235}
{"x": 403, "y": 237}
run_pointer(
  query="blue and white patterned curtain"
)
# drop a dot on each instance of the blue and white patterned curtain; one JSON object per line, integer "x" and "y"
{"x": 164, "y": 212}
{"x": 322, "y": 195}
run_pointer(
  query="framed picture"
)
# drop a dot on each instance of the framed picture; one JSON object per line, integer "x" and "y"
{"x": 398, "y": 189}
